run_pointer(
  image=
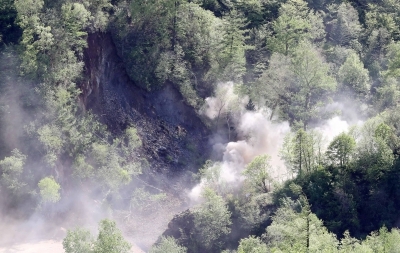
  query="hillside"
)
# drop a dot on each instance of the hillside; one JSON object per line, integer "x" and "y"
{"x": 199, "y": 126}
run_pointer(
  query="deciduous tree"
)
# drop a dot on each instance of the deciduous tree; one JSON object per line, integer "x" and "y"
{"x": 258, "y": 174}
{"x": 211, "y": 219}
{"x": 49, "y": 190}
{"x": 167, "y": 244}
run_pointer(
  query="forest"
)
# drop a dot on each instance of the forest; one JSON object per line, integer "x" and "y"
{"x": 196, "y": 126}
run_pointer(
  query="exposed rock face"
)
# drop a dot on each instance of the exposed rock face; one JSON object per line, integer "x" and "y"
{"x": 172, "y": 134}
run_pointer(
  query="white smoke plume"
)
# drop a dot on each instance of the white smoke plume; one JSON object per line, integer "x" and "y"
{"x": 256, "y": 134}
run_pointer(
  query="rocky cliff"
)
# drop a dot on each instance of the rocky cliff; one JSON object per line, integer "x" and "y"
{"x": 174, "y": 138}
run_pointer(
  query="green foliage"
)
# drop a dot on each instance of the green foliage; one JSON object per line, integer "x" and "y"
{"x": 100, "y": 14}
{"x": 184, "y": 45}
{"x": 298, "y": 231}
{"x": 373, "y": 149}
{"x": 49, "y": 190}
{"x": 217, "y": 7}
{"x": 113, "y": 168}
{"x": 65, "y": 131}
{"x": 294, "y": 24}
{"x": 167, "y": 244}
{"x": 109, "y": 240}
{"x": 50, "y": 136}
{"x": 30, "y": 22}
{"x": 12, "y": 168}
{"x": 349, "y": 244}
{"x": 354, "y": 77}
{"x": 211, "y": 220}
{"x": 341, "y": 149}
{"x": 141, "y": 32}
{"x": 172, "y": 67}
{"x": 388, "y": 94}
{"x": 346, "y": 28}
{"x": 234, "y": 46}
{"x": 356, "y": 180}
{"x": 258, "y": 174}
{"x": 313, "y": 83}
{"x": 252, "y": 245}
{"x": 194, "y": 45}
{"x": 78, "y": 241}
{"x": 393, "y": 57}
{"x": 254, "y": 211}
{"x": 274, "y": 83}
{"x": 76, "y": 18}
{"x": 299, "y": 86}
{"x": 302, "y": 151}
{"x": 254, "y": 11}
{"x": 210, "y": 173}
{"x": 383, "y": 16}
{"x": 68, "y": 134}
{"x": 383, "y": 241}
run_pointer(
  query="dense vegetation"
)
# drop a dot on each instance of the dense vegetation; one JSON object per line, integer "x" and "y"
{"x": 304, "y": 60}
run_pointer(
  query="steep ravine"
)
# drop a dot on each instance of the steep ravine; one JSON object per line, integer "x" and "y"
{"x": 174, "y": 138}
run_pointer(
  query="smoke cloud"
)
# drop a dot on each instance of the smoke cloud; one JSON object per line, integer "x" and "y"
{"x": 256, "y": 135}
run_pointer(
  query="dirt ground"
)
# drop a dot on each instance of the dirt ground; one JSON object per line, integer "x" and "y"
{"x": 48, "y": 246}
{"x": 42, "y": 235}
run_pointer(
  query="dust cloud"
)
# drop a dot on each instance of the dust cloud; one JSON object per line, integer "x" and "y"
{"x": 256, "y": 135}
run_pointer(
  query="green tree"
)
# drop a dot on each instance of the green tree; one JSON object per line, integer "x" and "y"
{"x": 373, "y": 148}
{"x": 294, "y": 24}
{"x": 272, "y": 87}
{"x": 340, "y": 150}
{"x": 211, "y": 220}
{"x": 253, "y": 211}
{"x": 252, "y": 244}
{"x": 142, "y": 32}
{"x": 234, "y": 46}
{"x": 302, "y": 151}
{"x": 383, "y": 16}
{"x": 49, "y": 190}
{"x": 167, "y": 244}
{"x": 383, "y": 240}
{"x": 110, "y": 239}
{"x": 75, "y": 18}
{"x": 346, "y": 28}
{"x": 377, "y": 241}
{"x": 299, "y": 86}
{"x": 198, "y": 33}
{"x": 100, "y": 14}
{"x": 210, "y": 174}
{"x": 313, "y": 84}
{"x": 354, "y": 77}
{"x": 78, "y": 241}
{"x": 218, "y": 7}
{"x": 145, "y": 201}
{"x": 12, "y": 168}
{"x": 349, "y": 244}
{"x": 36, "y": 36}
{"x": 253, "y": 11}
{"x": 393, "y": 58}
{"x": 295, "y": 229}
{"x": 388, "y": 94}
{"x": 258, "y": 174}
